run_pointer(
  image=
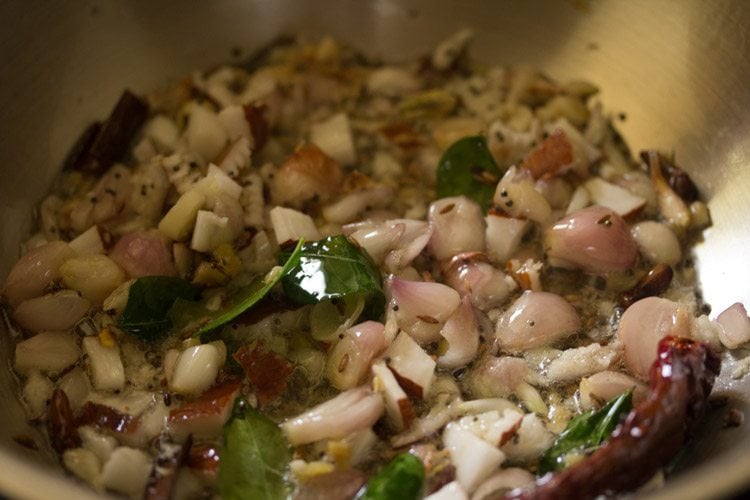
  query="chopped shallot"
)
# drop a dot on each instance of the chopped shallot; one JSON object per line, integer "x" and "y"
{"x": 457, "y": 227}
{"x": 55, "y": 311}
{"x": 144, "y": 253}
{"x": 594, "y": 239}
{"x": 735, "y": 326}
{"x": 421, "y": 307}
{"x": 350, "y": 359}
{"x": 536, "y": 319}
{"x": 462, "y": 334}
{"x": 644, "y": 324}
{"x": 35, "y": 270}
{"x": 350, "y": 411}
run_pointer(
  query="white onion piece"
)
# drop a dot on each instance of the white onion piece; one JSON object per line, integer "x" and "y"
{"x": 76, "y": 386}
{"x": 462, "y": 334}
{"x": 195, "y": 369}
{"x": 350, "y": 359}
{"x": 163, "y": 132}
{"x": 735, "y": 326}
{"x": 579, "y": 362}
{"x": 180, "y": 219}
{"x": 440, "y": 414}
{"x": 413, "y": 367}
{"x": 608, "y": 195}
{"x": 334, "y": 137}
{"x": 536, "y": 319}
{"x": 127, "y": 471}
{"x": 54, "y": 311}
{"x": 503, "y": 236}
{"x": 503, "y": 481}
{"x": 350, "y": 411}
{"x": 292, "y": 225}
{"x": 594, "y": 239}
{"x": 416, "y": 236}
{"x": 217, "y": 184}
{"x": 451, "y": 491}
{"x": 603, "y": 386}
{"x": 89, "y": 242}
{"x": 378, "y": 240}
{"x": 474, "y": 459}
{"x": 391, "y": 81}
{"x": 644, "y": 324}
{"x": 421, "y": 307}
{"x": 210, "y": 232}
{"x": 579, "y": 200}
{"x": 472, "y": 276}
{"x": 35, "y": 270}
{"x": 238, "y": 157}
{"x": 94, "y": 276}
{"x": 494, "y": 427}
{"x": 398, "y": 407}
{"x": 450, "y": 49}
{"x": 205, "y": 134}
{"x": 37, "y": 391}
{"x": 497, "y": 377}
{"x": 457, "y": 226}
{"x": 517, "y": 196}
{"x": 235, "y": 123}
{"x": 351, "y": 205}
{"x": 105, "y": 365}
{"x": 47, "y": 352}
{"x": 556, "y": 191}
{"x": 657, "y": 242}
{"x": 307, "y": 174}
{"x": 394, "y": 242}
{"x": 532, "y": 440}
{"x": 226, "y": 206}
{"x": 150, "y": 188}
{"x": 101, "y": 444}
{"x": 144, "y": 253}
{"x": 84, "y": 464}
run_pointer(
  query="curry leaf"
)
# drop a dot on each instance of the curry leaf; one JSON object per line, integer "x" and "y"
{"x": 193, "y": 317}
{"x": 402, "y": 477}
{"x": 254, "y": 457}
{"x": 335, "y": 268}
{"x": 585, "y": 432}
{"x": 149, "y": 300}
{"x": 467, "y": 168}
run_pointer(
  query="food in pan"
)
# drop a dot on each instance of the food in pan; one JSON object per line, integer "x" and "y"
{"x": 318, "y": 275}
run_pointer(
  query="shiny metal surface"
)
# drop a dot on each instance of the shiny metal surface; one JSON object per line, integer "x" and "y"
{"x": 679, "y": 70}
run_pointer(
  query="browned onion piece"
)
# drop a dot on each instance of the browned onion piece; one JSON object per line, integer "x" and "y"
{"x": 681, "y": 380}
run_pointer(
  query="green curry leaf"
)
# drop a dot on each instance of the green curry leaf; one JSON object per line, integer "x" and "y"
{"x": 149, "y": 300}
{"x": 467, "y": 168}
{"x": 254, "y": 457}
{"x": 402, "y": 477}
{"x": 194, "y": 318}
{"x": 585, "y": 432}
{"x": 334, "y": 268}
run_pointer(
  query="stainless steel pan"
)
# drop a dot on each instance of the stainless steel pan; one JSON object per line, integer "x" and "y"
{"x": 679, "y": 70}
